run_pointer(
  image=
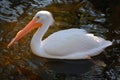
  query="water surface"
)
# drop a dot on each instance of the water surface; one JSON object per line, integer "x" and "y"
{"x": 19, "y": 63}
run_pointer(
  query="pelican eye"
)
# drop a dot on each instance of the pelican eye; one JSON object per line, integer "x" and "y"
{"x": 37, "y": 18}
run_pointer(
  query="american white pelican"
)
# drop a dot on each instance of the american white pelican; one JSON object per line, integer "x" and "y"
{"x": 65, "y": 44}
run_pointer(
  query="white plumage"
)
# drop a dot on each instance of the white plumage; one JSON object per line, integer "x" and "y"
{"x": 72, "y": 44}
{"x": 65, "y": 44}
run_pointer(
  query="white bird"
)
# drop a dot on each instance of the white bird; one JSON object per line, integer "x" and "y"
{"x": 65, "y": 44}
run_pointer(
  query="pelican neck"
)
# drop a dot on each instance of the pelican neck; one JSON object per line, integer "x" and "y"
{"x": 37, "y": 37}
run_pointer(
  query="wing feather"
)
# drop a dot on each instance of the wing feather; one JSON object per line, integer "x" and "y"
{"x": 70, "y": 41}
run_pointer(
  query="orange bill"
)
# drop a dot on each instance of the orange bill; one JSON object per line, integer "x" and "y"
{"x": 30, "y": 26}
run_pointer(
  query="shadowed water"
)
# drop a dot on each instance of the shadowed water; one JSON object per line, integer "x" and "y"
{"x": 19, "y": 63}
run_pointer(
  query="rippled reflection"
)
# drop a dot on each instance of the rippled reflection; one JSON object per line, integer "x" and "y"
{"x": 11, "y": 10}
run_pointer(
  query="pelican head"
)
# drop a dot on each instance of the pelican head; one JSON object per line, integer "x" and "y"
{"x": 44, "y": 17}
{"x": 40, "y": 18}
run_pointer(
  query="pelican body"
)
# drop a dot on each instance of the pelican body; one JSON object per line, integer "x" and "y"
{"x": 65, "y": 44}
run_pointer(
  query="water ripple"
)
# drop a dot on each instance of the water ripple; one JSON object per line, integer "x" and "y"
{"x": 10, "y": 11}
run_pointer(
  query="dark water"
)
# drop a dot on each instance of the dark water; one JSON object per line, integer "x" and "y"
{"x": 100, "y": 17}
